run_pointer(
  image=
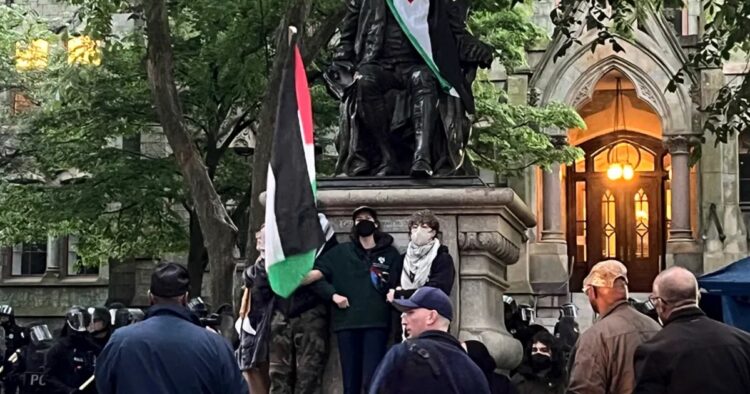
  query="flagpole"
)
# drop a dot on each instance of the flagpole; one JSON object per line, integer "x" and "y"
{"x": 292, "y": 32}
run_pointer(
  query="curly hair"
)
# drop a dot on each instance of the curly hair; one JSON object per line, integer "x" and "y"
{"x": 424, "y": 216}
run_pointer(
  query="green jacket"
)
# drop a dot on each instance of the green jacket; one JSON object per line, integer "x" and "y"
{"x": 354, "y": 273}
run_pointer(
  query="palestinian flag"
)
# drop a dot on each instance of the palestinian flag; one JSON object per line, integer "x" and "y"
{"x": 427, "y": 26}
{"x": 293, "y": 232}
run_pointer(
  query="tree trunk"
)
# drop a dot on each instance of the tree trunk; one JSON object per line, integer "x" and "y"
{"x": 196, "y": 256}
{"x": 218, "y": 230}
{"x": 295, "y": 16}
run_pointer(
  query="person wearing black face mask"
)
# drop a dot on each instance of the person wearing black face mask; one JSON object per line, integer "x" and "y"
{"x": 543, "y": 371}
{"x": 357, "y": 276}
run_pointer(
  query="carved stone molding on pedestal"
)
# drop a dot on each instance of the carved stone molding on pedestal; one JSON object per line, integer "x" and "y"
{"x": 493, "y": 243}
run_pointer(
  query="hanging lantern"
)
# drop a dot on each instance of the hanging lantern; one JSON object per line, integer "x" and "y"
{"x": 614, "y": 172}
{"x": 627, "y": 172}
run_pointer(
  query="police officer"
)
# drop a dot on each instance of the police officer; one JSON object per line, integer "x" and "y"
{"x": 100, "y": 327}
{"x": 31, "y": 359}
{"x": 16, "y": 337}
{"x": 70, "y": 362}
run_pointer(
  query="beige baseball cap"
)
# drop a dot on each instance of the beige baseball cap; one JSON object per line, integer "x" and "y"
{"x": 604, "y": 274}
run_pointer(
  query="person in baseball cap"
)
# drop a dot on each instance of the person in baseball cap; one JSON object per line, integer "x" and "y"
{"x": 602, "y": 359}
{"x": 606, "y": 274}
{"x": 431, "y": 360}
{"x": 427, "y": 309}
{"x": 169, "y": 280}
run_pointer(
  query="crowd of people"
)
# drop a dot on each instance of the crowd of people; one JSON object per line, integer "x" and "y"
{"x": 390, "y": 314}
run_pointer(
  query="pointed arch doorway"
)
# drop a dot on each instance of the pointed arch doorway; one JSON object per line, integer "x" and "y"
{"x": 618, "y": 194}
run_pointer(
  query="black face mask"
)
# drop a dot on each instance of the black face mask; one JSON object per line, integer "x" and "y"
{"x": 540, "y": 362}
{"x": 365, "y": 228}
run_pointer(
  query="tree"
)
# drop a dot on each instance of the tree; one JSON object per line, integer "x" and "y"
{"x": 726, "y": 34}
{"x": 223, "y": 59}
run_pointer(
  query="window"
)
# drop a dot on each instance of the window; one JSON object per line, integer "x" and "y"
{"x": 641, "y": 224}
{"x": 609, "y": 221}
{"x": 74, "y": 264}
{"x": 29, "y": 259}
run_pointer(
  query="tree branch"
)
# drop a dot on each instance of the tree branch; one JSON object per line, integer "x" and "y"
{"x": 310, "y": 47}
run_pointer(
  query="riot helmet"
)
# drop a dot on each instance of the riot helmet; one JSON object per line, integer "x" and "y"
{"x": 40, "y": 335}
{"x": 101, "y": 320}
{"x": 198, "y": 307}
{"x": 78, "y": 319}
{"x": 7, "y": 315}
{"x": 569, "y": 310}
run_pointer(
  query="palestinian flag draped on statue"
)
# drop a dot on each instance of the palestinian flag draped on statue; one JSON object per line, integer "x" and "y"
{"x": 293, "y": 232}
{"x": 427, "y": 25}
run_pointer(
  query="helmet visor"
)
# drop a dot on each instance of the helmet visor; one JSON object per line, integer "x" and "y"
{"x": 78, "y": 320}
{"x": 40, "y": 334}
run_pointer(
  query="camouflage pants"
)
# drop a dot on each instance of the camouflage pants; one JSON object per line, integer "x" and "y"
{"x": 298, "y": 352}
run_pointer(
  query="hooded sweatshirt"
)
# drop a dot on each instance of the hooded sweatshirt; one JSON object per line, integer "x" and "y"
{"x": 362, "y": 276}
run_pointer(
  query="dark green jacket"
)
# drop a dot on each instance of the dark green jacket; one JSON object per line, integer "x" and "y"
{"x": 351, "y": 271}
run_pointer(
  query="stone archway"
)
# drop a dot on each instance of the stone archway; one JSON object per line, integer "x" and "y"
{"x": 649, "y": 60}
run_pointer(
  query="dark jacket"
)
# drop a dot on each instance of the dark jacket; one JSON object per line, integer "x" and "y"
{"x": 70, "y": 363}
{"x": 364, "y": 277}
{"x": 602, "y": 360}
{"x": 168, "y": 353}
{"x": 527, "y": 382}
{"x": 694, "y": 354}
{"x": 442, "y": 274}
{"x": 433, "y": 363}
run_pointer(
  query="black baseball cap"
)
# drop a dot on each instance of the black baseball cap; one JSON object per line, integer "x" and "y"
{"x": 428, "y": 298}
{"x": 169, "y": 280}
{"x": 365, "y": 208}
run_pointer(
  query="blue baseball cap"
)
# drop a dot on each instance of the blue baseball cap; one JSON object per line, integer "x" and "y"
{"x": 428, "y": 298}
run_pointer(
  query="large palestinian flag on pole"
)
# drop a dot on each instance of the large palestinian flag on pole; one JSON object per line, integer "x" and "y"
{"x": 427, "y": 26}
{"x": 293, "y": 232}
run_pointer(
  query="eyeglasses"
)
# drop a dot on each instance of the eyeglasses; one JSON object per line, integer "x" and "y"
{"x": 652, "y": 298}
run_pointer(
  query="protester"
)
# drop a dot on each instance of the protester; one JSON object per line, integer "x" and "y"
{"x": 168, "y": 352}
{"x": 358, "y": 276}
{"x": 499, "y": 383}
{"x": 543, "y": 371}
{"x": 693, "y": 353}
{"x": 100, "y": 327}
{"x": 602, "y": 360}
{"x": 426, "y": 261}
{"x": 299, "y": 335}
{"x": 431, "y": 360}
{"x": 16, "y": 337}
{"x": 70, "y": 362}
{"x": 257, "y": 305}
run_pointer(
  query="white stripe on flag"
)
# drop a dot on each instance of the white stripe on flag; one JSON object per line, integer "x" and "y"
{"x": 274, "y": 252}
{"x": 309, "y": 150}
{"x": 414, "y": 14}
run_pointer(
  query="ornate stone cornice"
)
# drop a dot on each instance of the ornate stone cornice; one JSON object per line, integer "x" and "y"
{"x": 491, "y": 242}
{"x": 678, "y": 144}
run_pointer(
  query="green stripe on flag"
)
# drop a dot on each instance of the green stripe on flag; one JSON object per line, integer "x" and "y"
{"x": 427, "y": 57}
{"x": 286, "y": 275}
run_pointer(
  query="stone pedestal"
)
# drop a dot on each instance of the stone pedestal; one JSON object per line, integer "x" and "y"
{"x": 484, "y": 229}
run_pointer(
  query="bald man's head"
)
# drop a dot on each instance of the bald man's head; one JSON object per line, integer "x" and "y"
{"x": 675, "y": 288}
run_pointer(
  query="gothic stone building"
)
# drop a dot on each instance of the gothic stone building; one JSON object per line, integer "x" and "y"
{"x": 633, "y": 196}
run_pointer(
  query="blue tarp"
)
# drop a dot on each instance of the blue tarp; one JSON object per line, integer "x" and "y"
{"x": 732, "y": 284}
